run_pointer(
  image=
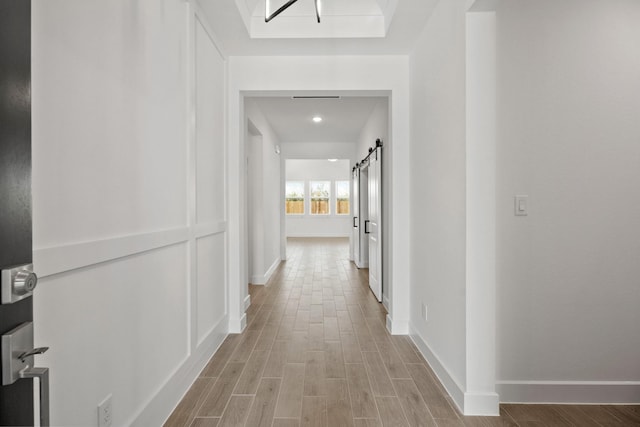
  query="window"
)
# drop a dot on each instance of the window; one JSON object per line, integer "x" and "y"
{"x": 294, "y": 198}
{"x": 320, "y": 191}
{"x": 342, "y": 197}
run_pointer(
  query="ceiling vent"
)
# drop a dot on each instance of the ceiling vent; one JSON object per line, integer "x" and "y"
{"x": 317, "y": 97}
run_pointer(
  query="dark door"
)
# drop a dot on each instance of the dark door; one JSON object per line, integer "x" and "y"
{"x": 16, "y": 400}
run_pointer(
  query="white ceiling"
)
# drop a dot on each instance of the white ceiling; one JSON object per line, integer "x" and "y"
{"x": 339, "y": 18}
{"x": 346, "y": 28}
{"x": 291, "y": 119}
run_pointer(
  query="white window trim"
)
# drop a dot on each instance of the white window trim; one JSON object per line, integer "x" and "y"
{"x": 304, "y": 198}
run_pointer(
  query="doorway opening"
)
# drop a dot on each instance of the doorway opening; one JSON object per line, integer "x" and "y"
{"x": 331, "y": 131}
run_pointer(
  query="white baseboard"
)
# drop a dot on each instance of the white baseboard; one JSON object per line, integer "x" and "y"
{"x": 385, "y": 301}
{"x": 264, "y": 278}
{"x": 587, "y": 392}
{"x": 486, "y": 404}
{"x": 243, "y": 322}
{"x": 272, "y": 269}
{"x": 362, "y": 265}
{"x": 397, "y": 327}
{"x": 247, "y": 302}
{"x": 555, "y": 392}
{"x": 236, "y": 326}
{"x": 160, "y": 406}
{"x": 258, "y": 280}
{"x": 482, "y": 404}
{"x": 448, "y": 381}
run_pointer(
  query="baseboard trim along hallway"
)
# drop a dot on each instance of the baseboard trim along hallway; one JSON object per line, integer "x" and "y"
{"x": 562, "y": 392}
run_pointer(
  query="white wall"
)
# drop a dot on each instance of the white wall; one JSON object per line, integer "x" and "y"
{"x": 438, "y": 193}
{"x": 266, "y": 192}
{"x": 377, "y": 126}
{"x": 129, "y": 224}
{"x": 255, "y": 202}
{"x": 569, "y": 102}
{"x": 480, "y": 87}
{"x": 308, "y": 225}
{"x": 373, "y": 75}
{"x": 324, "y": 150}
{"x": 566, "y": 274}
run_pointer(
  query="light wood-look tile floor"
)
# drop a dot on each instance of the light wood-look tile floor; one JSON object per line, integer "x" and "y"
{"x": 316, "y": 353}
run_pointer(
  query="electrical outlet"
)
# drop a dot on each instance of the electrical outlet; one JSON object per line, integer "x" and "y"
{"x": 424, "y": 311}
{"x": 105, "y": 412}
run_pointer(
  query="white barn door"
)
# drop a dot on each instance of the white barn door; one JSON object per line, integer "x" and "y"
{"x": 355, "y": 230}
{"x": 373, "y": 225}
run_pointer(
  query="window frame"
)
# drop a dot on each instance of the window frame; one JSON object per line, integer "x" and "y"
{"x": 328, "y": 198}
{"x": 304, "y": 198}
{"x": 337, "y": 199}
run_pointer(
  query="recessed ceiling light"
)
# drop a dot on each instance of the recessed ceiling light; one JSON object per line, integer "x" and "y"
{"x": 333, "y": 160}
{"x": 317, "y": 119}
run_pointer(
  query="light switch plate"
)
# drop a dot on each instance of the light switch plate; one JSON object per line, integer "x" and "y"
{"x": 521, "y": 205}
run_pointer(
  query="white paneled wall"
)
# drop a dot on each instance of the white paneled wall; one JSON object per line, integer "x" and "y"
{"x": 129, "y": 204}
{"x": 210, "y": 147}
{"x": 210, "y": 280}
{"x": 116, "y": 327}
{"x": 209, "y": 96}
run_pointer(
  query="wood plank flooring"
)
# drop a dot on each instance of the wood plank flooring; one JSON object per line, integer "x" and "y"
{"x": 316, "y": 353}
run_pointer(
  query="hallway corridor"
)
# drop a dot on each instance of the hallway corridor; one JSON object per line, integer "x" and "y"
{"x": 316, "y": 353}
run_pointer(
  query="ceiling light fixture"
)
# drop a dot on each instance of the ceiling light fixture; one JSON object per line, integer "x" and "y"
{"x": 268, "y": 17}
{"x": 317, "y": 119}
{"x": 333, "y": 160}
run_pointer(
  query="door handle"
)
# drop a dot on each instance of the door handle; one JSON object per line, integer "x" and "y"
{"x": 355, "y": 218}
{"x": 366, "y": 229}
{"x": 39, "y": 350}
{"x": 43, "y": 375}
{"x": 17, "y": 363}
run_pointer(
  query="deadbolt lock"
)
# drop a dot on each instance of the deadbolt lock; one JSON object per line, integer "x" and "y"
{"x": 24, "y": 282}
{"x": 18, "y": 283}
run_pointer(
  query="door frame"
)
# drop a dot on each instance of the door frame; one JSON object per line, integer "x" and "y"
{"x": 249, "y": 81}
